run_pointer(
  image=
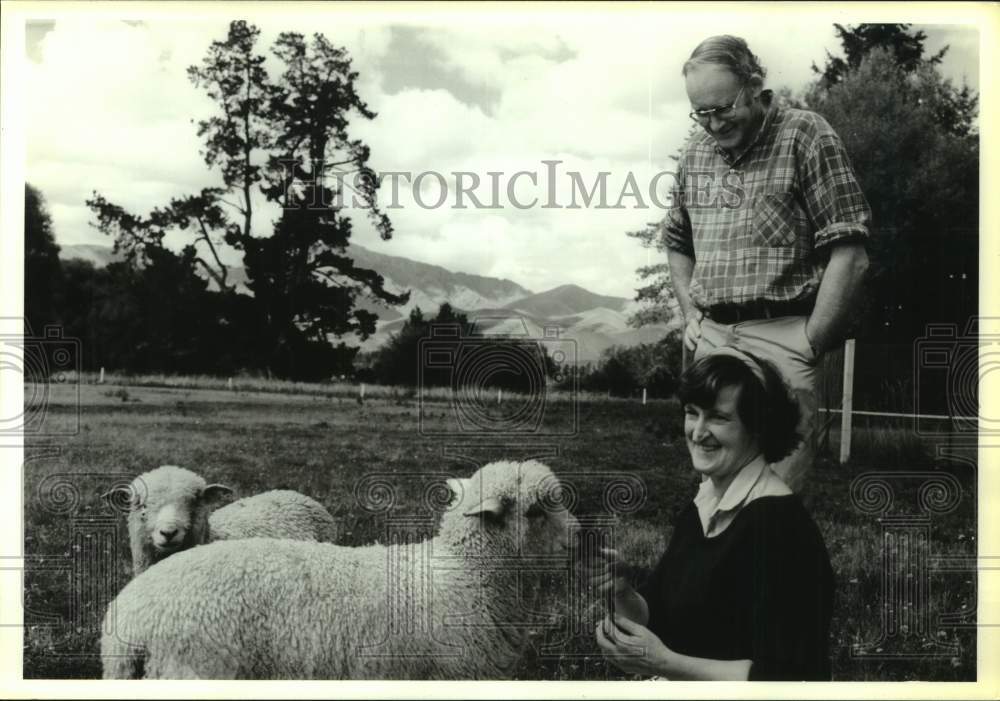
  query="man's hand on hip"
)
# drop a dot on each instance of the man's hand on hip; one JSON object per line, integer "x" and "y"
{"x": 692, "y": 332}
{"x": 841, "y": 284}
{"x": 817, "y": 349}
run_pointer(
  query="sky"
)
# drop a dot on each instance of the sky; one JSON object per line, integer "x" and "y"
{"x": 109, "y": 108}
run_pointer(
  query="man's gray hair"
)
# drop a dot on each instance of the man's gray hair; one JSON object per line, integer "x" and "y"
{"x": 730, "y": 52}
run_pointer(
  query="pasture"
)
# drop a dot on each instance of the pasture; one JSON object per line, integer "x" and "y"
{"x": 350, "y": 454}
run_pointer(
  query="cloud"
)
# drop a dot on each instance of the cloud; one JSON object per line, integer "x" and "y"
{"x": 108, "y": 108}
{"x": 424, "y": 130}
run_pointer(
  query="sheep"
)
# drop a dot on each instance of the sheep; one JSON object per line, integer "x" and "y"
{"x": 170, "y": 509}
{"x": 459, "y": 605}
{"x": 279, "y": 513}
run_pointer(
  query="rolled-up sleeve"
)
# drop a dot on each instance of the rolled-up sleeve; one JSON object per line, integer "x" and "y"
{"x": 675, "y": 228}
{"x": 835, "y": 203}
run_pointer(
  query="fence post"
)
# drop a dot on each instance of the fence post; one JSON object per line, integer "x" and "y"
{"x": 101, "y": 380}
{"x": 644, "y": 396}
{"x": 499, "y": 395}
{"x": 848, "y": 403}
{"x": 229, "y": 384}
{"x": 362, "y": 394}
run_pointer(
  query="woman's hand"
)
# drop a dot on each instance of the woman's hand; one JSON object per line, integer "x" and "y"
{"x": 633, "y": 648}
{"x": 606, "y": 575}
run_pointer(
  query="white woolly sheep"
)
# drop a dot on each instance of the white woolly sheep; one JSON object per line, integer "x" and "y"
{"x": 457, "y": 606}
{"x": 170, "y": 509}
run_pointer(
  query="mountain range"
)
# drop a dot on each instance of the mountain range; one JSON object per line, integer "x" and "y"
{"x": 590, "y": 322}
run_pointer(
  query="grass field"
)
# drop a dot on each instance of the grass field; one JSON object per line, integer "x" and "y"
{"x": 324, "y": 443}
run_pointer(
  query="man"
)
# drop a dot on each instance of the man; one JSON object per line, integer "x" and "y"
{"x": 766, "y": 233}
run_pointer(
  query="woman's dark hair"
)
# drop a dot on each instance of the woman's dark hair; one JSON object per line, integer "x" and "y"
{"x": 766, "y": 407}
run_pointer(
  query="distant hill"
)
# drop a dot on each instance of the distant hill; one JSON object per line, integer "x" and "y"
{"x": 565, "y": 300}
{"x": 591, "y": 321}
{"x": 430, "y": 285}
{"x": 100, "y": 256}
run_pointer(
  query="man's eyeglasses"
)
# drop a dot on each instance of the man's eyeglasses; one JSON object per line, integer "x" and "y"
{"x": 704, "y": 116}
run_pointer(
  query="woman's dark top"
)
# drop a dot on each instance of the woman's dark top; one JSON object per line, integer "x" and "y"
{"x": 761, "y": 590}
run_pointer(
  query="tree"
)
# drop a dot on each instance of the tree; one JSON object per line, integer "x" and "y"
{"x": 42, "y": 269}
{"x": 624, "y": 371}
{"x": 658, "y": 304}
{"x": 149, "y": 330}
{"x": 907, "y": 49}
{"x": 922, "y": 182}
{"x": 912, "y": 137}
{"x": 233, "y": 76}
{"x": 464, "y": 358}
{"x": 125, "y": 321}
{"x": 398, "y": 362}
{"x": 134, "y": 236}
{"x": 954, "y": 108}
{"x": 83, "y": 287}
{"x": 281, "y": 141}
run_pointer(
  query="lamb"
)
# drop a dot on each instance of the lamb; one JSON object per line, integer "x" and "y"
{"x": 170, "y": 509}
{"x": 456, "y": 606}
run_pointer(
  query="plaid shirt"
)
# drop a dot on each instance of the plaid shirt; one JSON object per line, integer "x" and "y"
{"x": 759, "y": 227}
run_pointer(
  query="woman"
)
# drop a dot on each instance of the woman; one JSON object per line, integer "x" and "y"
{"x": 745, "y": 588}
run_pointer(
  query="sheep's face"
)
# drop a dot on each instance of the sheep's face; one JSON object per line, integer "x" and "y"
{"x": 512, "y": 509}
{"x": 169, "y": 508}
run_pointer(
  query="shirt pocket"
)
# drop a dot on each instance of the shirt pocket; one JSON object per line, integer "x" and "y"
{"x": 774, "y": 219}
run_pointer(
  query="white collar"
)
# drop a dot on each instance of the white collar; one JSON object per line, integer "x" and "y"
{"x": 756, "y": 479}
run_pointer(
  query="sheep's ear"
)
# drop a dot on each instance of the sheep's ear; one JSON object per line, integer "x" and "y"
{"x": 493, "y": 509}
{"x": 214, "y": 493}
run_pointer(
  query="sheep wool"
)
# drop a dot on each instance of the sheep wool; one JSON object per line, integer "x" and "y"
{"x": 171, "y": 510}
{"x": 279, "y": 513}
{"x": 456, "y": 606}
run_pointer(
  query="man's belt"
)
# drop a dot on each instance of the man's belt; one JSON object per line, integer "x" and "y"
{"x": 736, "y": 313}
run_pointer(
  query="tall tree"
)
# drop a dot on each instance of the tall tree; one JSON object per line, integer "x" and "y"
{"x": 907, "y": 49}
{"x": 912, "y": 137}
{"x": 233, "y": 76}
{"x": 955, "y": 108}
{"x": 306, "y": 282}
{"x": 42, "y": 270}
{"x": 922, "y": 181}
{"x": 280, "y": 142}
